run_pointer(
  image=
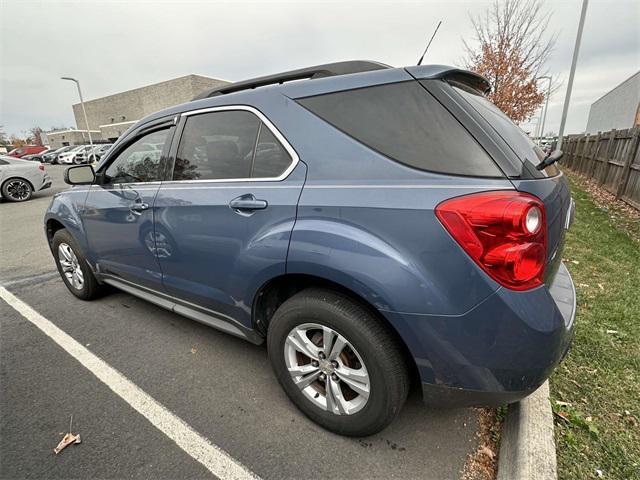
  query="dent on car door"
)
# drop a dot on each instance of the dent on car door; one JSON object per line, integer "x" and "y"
{"x": 118, "y": 213}
{"x": 224, "y": 218}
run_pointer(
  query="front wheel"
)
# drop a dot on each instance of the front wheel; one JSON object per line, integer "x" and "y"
{"x": 337, "y": 362}
{"x": 73, "y": 267}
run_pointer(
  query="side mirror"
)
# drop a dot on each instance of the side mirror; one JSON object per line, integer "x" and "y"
{"x": 79, "y": 175}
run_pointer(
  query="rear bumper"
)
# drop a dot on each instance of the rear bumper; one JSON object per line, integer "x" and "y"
{"x": 498, "y": 352}
{"x": 46, "y": 182}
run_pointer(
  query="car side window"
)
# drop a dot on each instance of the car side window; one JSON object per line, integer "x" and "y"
{"x": 231, "y": 144}
{"x": 271, "y": 159}
{"x": 140, "y": 161}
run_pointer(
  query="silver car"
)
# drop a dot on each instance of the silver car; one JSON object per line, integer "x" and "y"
{"x": 20, "y": 178}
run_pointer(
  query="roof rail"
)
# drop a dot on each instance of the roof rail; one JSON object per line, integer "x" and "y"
{"x": 318, "y": 71}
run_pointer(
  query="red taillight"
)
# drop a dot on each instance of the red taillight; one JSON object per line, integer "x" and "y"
{"x": 41, "y": 167}
{"x": 504, "y": 232}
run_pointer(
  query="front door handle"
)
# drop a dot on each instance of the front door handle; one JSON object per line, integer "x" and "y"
{"x": 247, "y": 203}
{"x": 139, "y": 207}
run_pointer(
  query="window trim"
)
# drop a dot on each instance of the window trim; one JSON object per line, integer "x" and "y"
{"x": 264, "y": 121}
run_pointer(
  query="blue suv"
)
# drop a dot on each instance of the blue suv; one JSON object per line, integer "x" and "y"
{"x": 376, "y": 226}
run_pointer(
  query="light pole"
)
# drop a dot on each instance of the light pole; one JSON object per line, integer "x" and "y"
{"x": 546, "y": 105}
{"x": 84, "y": 112}
{"x": 574, "y": 61}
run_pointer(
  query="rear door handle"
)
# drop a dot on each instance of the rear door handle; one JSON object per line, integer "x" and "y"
{"x": 247, "y": 203}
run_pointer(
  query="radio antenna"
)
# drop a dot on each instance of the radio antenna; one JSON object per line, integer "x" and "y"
{"x": 429, "y": 44}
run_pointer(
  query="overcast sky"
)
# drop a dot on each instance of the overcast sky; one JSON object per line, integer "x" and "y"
{"x": 112, "y": 46}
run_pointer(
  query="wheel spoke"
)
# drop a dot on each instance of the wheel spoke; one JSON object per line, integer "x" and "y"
{"x": 335, "y": 399}
{"x": 302, "y": 370}
{"x": 64, "y": 250}
{"x": 328, "y": 337}
{"x": 357, "y": 380}
{"x": 66, "y": 266}
{"x": 341, "y": 342}
{"x": 299, "y": 340}
{"x": 306, "y": 380}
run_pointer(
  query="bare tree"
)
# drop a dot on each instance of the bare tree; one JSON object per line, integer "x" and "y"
{"x": 3, "y": 136}
{"x": 34, "y": 136}
{"x": 16, "y": 141}
{"x": 511, "y": 49}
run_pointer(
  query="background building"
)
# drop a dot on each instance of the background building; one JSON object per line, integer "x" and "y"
{"x": 619, "y": 109}
{"x": 110, "y": 116}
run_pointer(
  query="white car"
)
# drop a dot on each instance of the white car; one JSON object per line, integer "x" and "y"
{"x": 20, "y": 178}
{"x": 76, "y": 155}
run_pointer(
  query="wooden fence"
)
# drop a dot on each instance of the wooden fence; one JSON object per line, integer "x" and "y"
{"x": 611, "y": 158}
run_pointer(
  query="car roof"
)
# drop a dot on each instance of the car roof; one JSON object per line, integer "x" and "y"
{"x": 320, "y": 79}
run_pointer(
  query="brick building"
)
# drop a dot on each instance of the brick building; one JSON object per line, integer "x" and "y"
{"x": 110, "y": 116}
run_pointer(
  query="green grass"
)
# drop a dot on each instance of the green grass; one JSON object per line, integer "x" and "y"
{"x": 598, "y": 429}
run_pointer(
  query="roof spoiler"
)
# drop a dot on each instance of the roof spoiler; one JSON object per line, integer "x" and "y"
{"x": 318, "y": 71}
{"x": 467, "y": 78}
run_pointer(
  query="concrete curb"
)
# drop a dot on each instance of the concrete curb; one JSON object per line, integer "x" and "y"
{"x": 527, "y": 446}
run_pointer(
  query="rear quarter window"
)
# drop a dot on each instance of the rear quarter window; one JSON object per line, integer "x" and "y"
{"x": 517, "y": 140}
{"x": 405, "y": 123}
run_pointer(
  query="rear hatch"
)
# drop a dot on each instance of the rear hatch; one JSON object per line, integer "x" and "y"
{"x": 549, "y": 185}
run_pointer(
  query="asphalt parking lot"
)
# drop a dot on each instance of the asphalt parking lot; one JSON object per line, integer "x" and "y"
{"x": 220, "y": 386}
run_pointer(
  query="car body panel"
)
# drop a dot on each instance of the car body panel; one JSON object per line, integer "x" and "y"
{"x": 218, "y": 258}
{"x": 120, "y": 237}
{"x": 507, "y": 345}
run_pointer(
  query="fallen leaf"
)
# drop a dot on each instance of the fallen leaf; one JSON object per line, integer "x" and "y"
{"x": 487, "y": 451}
{"x": 575, "y": 262}
{"x": 194, "y": 350}
{"x": 599, "y": 473}
{"x": 612, "y": 332}
{"x": 67, "y": 440}
{"x": 601, "y": 286}
{"x": 562, "y": 404}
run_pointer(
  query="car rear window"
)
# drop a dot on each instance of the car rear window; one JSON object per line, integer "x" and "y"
{"x": 405, "y": 123}
{"x": 518, "y": 141}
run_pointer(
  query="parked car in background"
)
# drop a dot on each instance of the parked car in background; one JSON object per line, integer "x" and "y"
{"x": 98, "y": 152}
{"x": 27, "y": 150}
{"x": 33, "y": 158}
{"x": 375, "y": 226}
{"x": 76, "y": 155}
{"x": 20, "y": 178}
{"x": 51, "y": 156}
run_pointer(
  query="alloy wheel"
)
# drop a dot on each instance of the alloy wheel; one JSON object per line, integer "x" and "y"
{"x": 18, "y": 190}
{"x": 326, "y": 367}
{"x": 70, "y": 266}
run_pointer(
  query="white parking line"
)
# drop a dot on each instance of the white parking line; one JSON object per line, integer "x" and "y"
{"x": 212, "y": 457}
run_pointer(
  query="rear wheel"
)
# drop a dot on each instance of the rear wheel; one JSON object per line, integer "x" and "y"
{"x": 337, "y": 362}
{"x": 73, "y": 267}
{"x": 17, "y": 190}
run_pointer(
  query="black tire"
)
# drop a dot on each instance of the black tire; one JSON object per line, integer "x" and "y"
{"x": 90, "y": 289}
{"x": 384, "y": 360}
{"x": 17, "y": 190}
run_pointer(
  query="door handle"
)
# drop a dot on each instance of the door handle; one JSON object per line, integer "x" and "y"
{"x": 247, "y": 203}
{"x": 139, "y": 207}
